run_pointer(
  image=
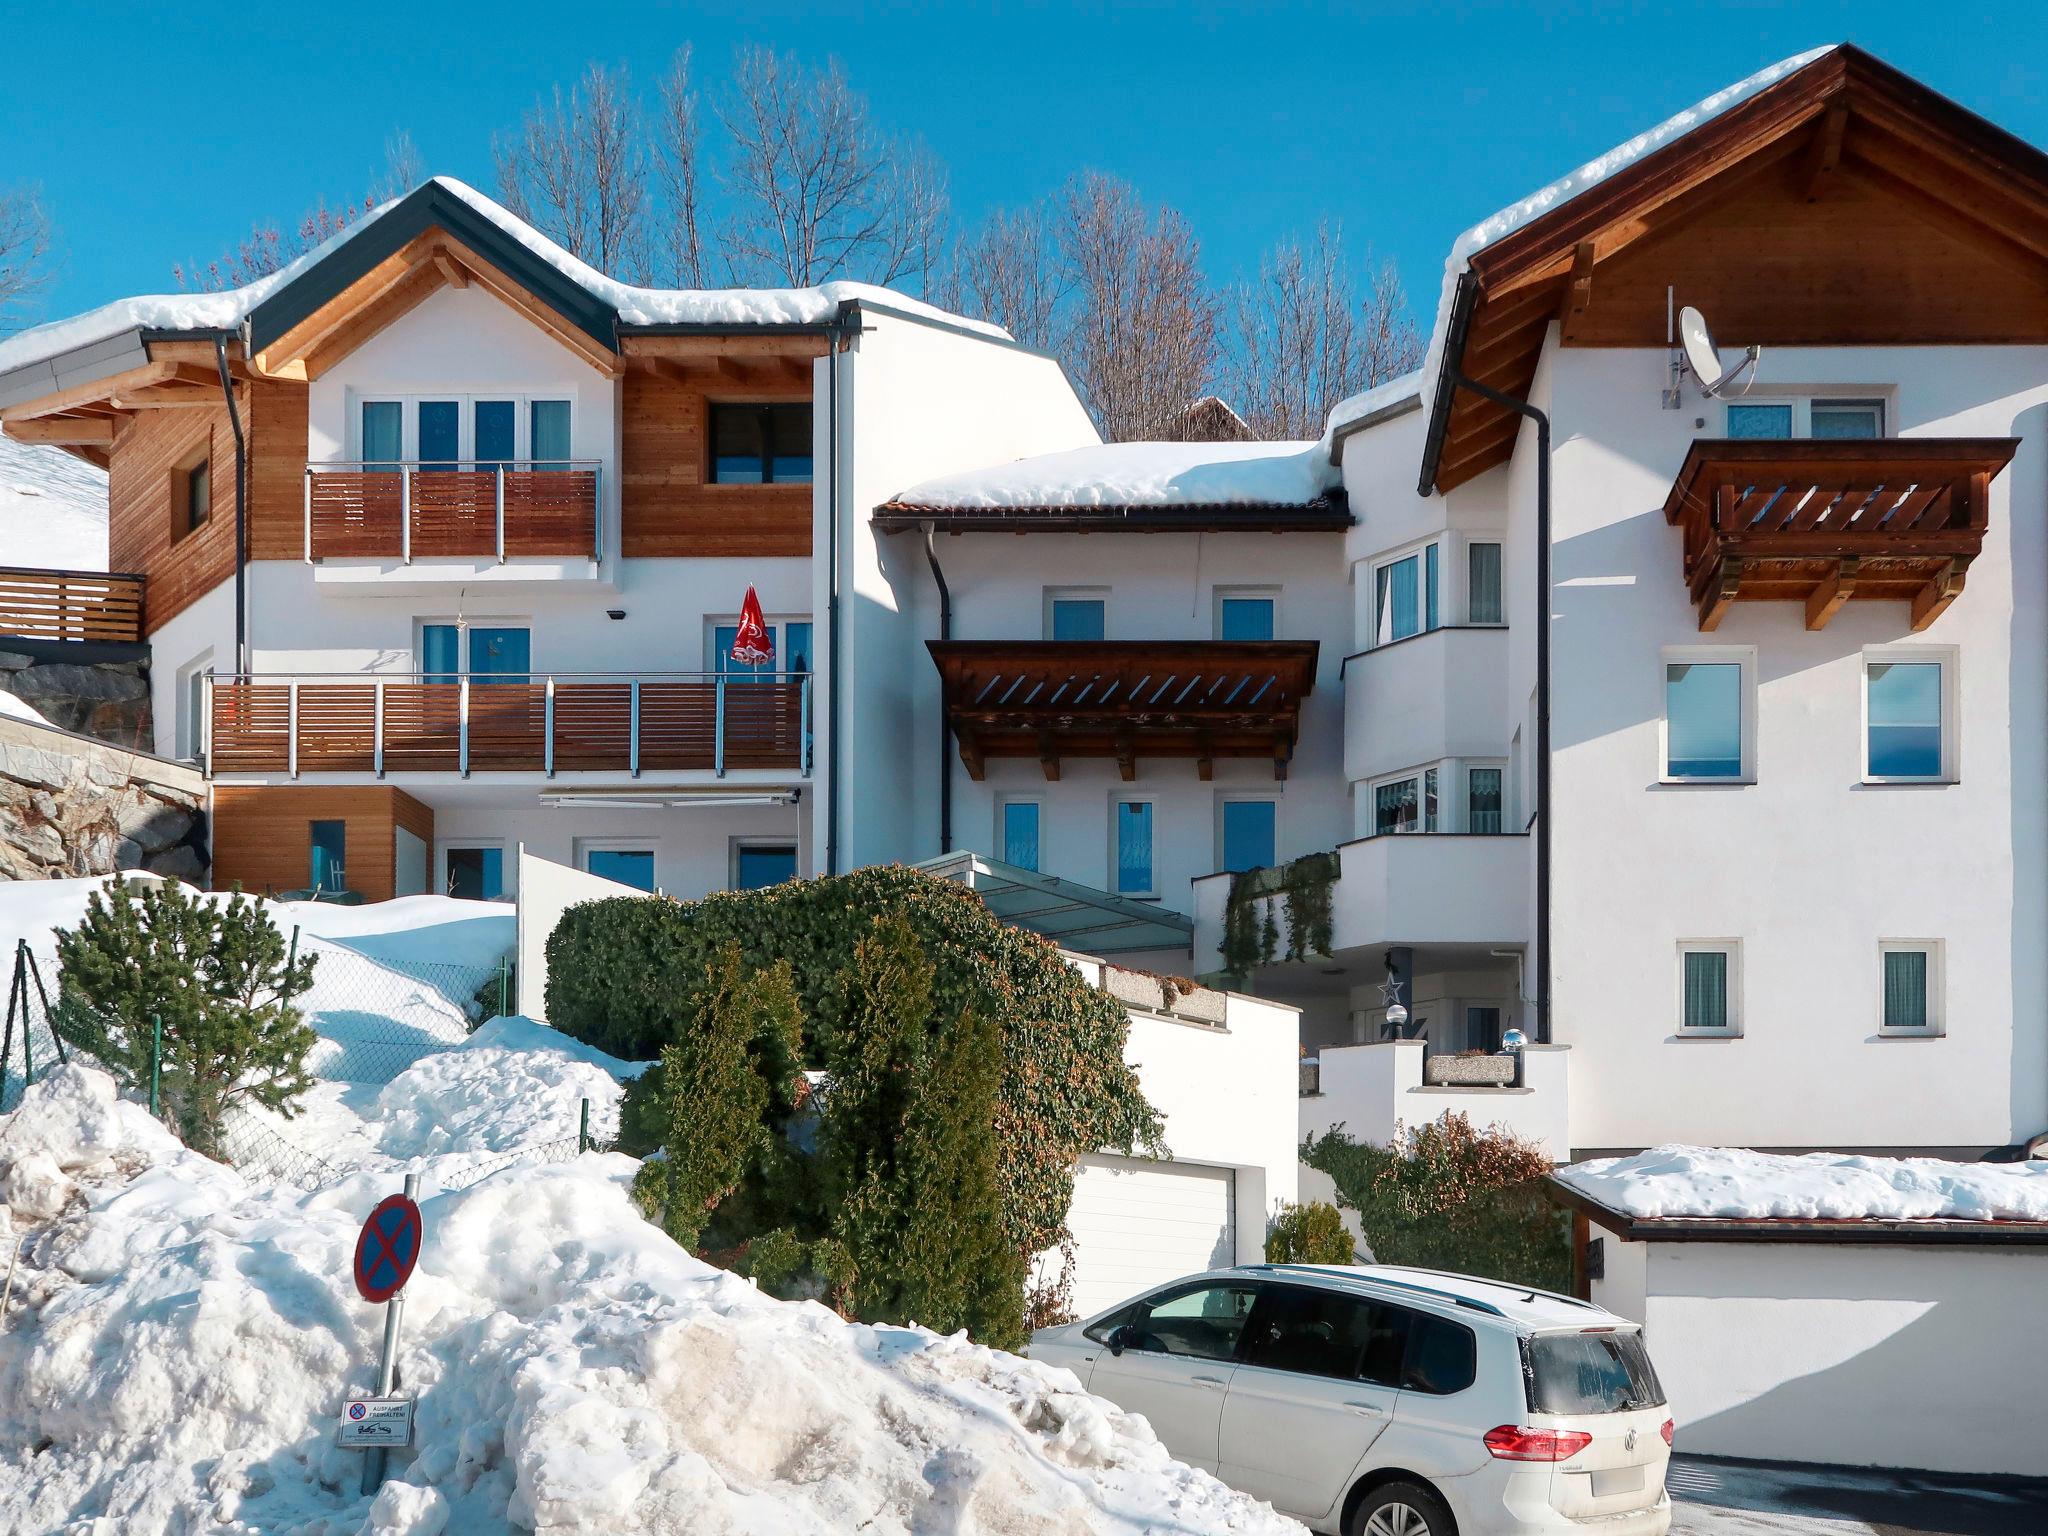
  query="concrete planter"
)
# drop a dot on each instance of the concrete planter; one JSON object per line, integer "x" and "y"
{"x": 1135, "y": 989}
{"x": 1203, "y": 1003}
{"x": 1469, "y": 1071}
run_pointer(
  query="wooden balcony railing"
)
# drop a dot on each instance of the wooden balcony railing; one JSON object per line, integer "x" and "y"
{"x": 404, "y": 723}
{"x": 1825, "y": 521}
{"x": 454, "y": 510}
{"x": 69, "y": 605}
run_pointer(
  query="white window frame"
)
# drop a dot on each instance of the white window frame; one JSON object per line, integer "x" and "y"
{"x": 1937, "y": 987}
{"x": 1732, "y": 948}
{"x": 1216, "y": 599}
{"x": 585, "y": 846}
{"x": 1116, "y": 800}
{"x": 1372, "y": 797}
{"x": 188, "y": 726}
{"x": 443, "y": 846}
{"x": 1416, "y": 551}
{"x": 1743, "y": 656}
{"x": 1803, "y": 404}
{"x": 1499, "y": 541}
{"x": 1948, "y": 658}
{"x": 1075, "y": 594}
{"x": 465, "y": 434}
{"x": 1238, "y": 796}
{"x": 734, "y": 845}
{"x": 1002, "y": 843}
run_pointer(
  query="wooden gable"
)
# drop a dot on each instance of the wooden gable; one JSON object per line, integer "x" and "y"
{"x": 1844, "y": 205}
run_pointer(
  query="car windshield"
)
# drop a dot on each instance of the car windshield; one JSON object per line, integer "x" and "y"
{"x": 1599, "y": 1372}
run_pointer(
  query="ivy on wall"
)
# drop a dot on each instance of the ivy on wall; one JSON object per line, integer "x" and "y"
{"x": 1251, "y": 929}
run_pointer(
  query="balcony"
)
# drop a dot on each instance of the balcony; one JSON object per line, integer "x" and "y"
{"x": 1826, "y": 522}
{"x": 353, "y": 723}
{"x": 464, "y": 511}
{"x": 1439, "y": 694}
{"x": 70, "y": 605}
{"x": 1199, "y": 699}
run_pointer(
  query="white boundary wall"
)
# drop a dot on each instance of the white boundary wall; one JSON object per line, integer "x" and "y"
{"x": 545, "y": 891}
{"x": 1372, "y": 1089}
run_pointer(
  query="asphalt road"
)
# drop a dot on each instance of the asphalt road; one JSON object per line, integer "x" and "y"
{"x": 1737, "y": 1498}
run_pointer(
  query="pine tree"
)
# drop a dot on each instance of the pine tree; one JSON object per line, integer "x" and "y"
{"x": 220, "y": 978}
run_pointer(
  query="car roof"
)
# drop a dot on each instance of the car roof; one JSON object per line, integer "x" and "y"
{"x": 1471, "y": 1298}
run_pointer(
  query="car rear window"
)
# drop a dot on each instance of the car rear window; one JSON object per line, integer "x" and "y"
{"x": 1605, "y": 1372}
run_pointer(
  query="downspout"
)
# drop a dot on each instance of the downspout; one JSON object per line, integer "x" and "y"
{"x": 227, "y": 389}
{"x": 1525, "y": 409}
{"x": 931, "y": 555}
{"x": 832, "y": 596}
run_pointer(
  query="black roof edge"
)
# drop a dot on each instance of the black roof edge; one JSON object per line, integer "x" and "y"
{"x": 1462, "y": 301}
{"x": 1391, "y": 411}
{"x": 426, "y": 207}
{"x": 1923, "y": 1232}
{"x": 1328, "y": 513}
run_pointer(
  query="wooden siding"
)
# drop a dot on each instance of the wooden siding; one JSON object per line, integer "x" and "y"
{"x": 277, "y": 470}
{"x": 177, "y": 571}
{"x": 263, "y": 834}
{"x": 669, "y": 508}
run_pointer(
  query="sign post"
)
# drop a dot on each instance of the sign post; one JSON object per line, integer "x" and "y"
{"x": 386, "y": 1251}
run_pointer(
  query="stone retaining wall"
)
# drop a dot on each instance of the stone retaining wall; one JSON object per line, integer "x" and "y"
{"x": 97, "y": 690}
{"x": 70, "y": 805}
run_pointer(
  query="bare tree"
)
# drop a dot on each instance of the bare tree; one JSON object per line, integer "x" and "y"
{"x": 1009, "y": 271}
{"x": 1301, "y": 338}
{"x": 267, "y": 247}
{"x": 1143, "y": 342}
{"x": 678, "y": 148}
{"x": 26, "y": 249}
{"x": 813, "y": 190}
{"x": 577, "y": 171}
{"x": 403, "y": 169}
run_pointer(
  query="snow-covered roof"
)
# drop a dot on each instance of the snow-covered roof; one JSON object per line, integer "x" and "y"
{"x": 1128, "y": 475}
{"x": 1380, "y": 401}
{"x": 53, "y": 509}
{"x": 1731, "y": 1184}
{"x": 633, "y": 305}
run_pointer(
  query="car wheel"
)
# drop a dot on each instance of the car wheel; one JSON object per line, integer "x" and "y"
{"x": 1401, "y": 1509}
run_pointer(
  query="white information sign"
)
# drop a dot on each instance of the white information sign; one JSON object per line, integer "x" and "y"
{"x": 370, "y": 1423}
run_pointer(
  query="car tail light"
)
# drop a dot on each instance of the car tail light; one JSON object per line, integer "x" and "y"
{"x": 1507, "y": 1443}
{"x": 1670, "y": 1429}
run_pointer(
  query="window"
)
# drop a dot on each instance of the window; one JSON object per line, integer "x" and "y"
{"x": 1201, "y": 1324}
{"x": 497, "y": 653}
{"x": 1483, "y": 600}
{"x": 1815, "y": 416}
{"x": 440, "y": 434}
{"x": 1910, "y": 973}
{"x": 383, "y": 432}
{"x": 756, "y": 865}
{"x": 789, "y": 639}
{"x": 1442, "y": 1357}
{"x": 1906, "y": 709}
{"x": 329, "y": 841}
{"x": 1404, "y": 596}
{"x": 623, "y": 862}
{"x": 496, "y": 432}
{"x": 1247, "y": 833}
{"x": 548, "y": 434}
{"x": 1709, "y": 987}
{"x": 192, "y": 493}
{"x": 1582, "y": 1373}
{"x": 476, "y": 874}
{"x": 1327, "y": 1333}
{"x": 1482, "y": 1029}
{"x": 1483, "y": 800}
{"x": 1133, "y": 822}
{"x": 450, "y": 431}
{"x": 1406, "y": 804}
{"x": 1243, "y": 615}
{"x": 761, "y": 444}
{"x": 1076, "y": 613}
{"x": 1017, "y": 832}
{"x": 1708, "y": 705}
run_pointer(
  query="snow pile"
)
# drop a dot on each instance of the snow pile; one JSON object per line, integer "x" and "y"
{"x": 181, "y": 1338}
{"x": 1138, "y": 475}
{"x": 53, "y": 509}
{"x": 20, "y": 709}
{"x": 1733, "y": 1184}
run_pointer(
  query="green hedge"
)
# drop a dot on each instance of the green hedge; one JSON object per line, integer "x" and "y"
{"x": 629, "y": 975}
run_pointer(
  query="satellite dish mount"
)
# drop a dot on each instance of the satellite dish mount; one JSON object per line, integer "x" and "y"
{"x": 1693, "y": 352}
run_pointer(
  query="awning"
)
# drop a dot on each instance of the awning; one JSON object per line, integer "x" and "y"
{"x": 1077, "y": 917}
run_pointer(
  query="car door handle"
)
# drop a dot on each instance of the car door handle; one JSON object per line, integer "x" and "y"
{"x": 1368, "y": 1410}
{"x": 1207, "y": 1381}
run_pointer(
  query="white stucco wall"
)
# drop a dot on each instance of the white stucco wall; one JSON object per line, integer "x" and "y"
{"x": 1374, "y": 1091}
{"x": 1808, "y": 867}
{"x": 546, "y": 890}
{"x": 1857, "y": 1354}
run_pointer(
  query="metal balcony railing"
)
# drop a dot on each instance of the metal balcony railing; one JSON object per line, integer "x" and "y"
{"x": 454, "y": 509}
{"x": 605, "y": 722}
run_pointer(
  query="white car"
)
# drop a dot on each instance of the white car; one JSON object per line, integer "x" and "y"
{"x": 1373, "y": 1400}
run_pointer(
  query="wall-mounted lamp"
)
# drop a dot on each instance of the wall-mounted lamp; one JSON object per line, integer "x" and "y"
{"x": 615, "y": 614}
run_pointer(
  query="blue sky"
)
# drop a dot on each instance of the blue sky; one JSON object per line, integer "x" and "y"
{"x": 155, "y": 141}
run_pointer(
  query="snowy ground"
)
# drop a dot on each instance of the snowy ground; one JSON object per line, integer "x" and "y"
{"x": 180, "y": 1334}
{"x": 1735, "y": 1498}
{"x": 53, "y": 509}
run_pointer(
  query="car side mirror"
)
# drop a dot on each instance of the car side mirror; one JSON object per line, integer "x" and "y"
{"x": 1120, "y": 1338}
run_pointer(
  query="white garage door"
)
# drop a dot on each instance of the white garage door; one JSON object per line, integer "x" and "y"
{"x": 1138, "y": 1223}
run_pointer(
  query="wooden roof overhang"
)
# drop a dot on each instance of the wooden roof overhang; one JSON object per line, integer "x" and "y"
{"x": 1831, "y": 521}
{"x": 86, "y": 418}
{"x": 1328, "y": 513}
{"x": 1199, "y": 699}
{"x": 1838, "y": 206}
{"x": 1922, "y": 1231}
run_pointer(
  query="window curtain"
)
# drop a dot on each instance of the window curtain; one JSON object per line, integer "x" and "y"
{"x": 1483, "y": 795}
{"x": 1905, "y": 989}
{"x": 1706, "y": 989}
{"x": 1482, "y": 584}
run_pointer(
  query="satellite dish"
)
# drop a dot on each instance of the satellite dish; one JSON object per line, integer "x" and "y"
{"x": 1700, "y": 352}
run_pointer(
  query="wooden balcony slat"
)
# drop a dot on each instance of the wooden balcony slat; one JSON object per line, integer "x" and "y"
{"x": 70, "y": 605}
{"x": 360, "y": 513}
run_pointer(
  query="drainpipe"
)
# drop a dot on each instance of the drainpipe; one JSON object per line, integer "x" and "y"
{"x": 834, "y": 338}
{"x": 1542, "y": 420}
{"x": 227, "y": 389}
{"x": 931, "y": 555}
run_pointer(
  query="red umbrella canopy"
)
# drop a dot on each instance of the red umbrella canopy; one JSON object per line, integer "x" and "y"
{"x": 753, "y": 646}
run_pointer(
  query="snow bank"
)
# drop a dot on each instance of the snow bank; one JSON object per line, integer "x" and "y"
{"x": 514, "y": 1083}
{"x": 19, "y": 709}
{"x": 1138, "y": 475}
{"x": 53, "y": 509}
{"x": 1737, "y": 1185}
{"x": 181, "y": 1339}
